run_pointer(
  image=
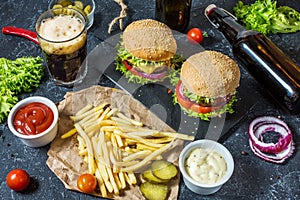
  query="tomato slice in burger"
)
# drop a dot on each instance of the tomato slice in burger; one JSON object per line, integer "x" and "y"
{"x": 186, "y": 103}
{"x": 182, "y": 100}
{"x": 201, "y": 109}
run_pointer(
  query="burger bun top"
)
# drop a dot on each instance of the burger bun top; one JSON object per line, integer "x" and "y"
{"x": 149, "y": 40}
{"x": 210, "y": 74}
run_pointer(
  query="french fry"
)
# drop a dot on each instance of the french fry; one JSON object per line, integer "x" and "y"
{"x": 90, "y": 119}
{"x": 104, "y": 148}
{"x": 69, "y": 133}
{"x": 148, "y": 158}
{"x": 122, "y": 180}
{"x": 159, "y": 140}
{"x": 112, "y": 181}
{"x": 109, "y": 186}
{"x": 120, "y": 121}
{"x": 119, "y": 141}
{"x": 131, "y": 150}
{"x": 82, "y": 115}
{"x": 127, "y": 179}
{"x": 84, "y": 109}
{"x": 91, "y": 161}
{"x": 104, "y": 114}
{"x": 137, "y": 155}
{"x": 174, "y": 135}
{"x": 83, "y": 152}
{"x": 113, "y": 140}
{"x": 137, "y": 138}
{"x": 134, "y": 122}
{"x": 141, "y": 146}
{"x": 107, "y": 122}
{"x": 118, "y": 182}
{"x": 81, "y": 143}
{"x": 132, "y": 177}
{"x": 101, "y": 184}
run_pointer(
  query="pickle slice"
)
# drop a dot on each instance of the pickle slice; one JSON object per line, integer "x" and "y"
{"x": 64, "y": 3}
{"x": 148, "y": 176}
{"x": 57, "y": 6}
{"x": 87, "y": 10}
{"x": 152, "y": 191}
{"x": 163, "y": 169}
{"x": 79, "y": 4}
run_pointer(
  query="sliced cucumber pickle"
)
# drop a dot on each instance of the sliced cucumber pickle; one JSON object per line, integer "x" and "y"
{"x": 163, "y": 169}
{"x": 88, "y": 9}
{"x": 152, "y": 191}
{"x": 77, "y": 5}
{"x": 148, "y": 176}
{"x": 64, "y": 3}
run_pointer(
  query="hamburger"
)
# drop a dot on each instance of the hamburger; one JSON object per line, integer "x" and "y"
{"x": 147, "y": 51}
{"x": 207, "y": 85}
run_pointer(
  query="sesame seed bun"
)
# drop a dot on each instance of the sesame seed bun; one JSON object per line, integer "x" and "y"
{"x": 210, "y": 74}
{"x": 149, "y": 40}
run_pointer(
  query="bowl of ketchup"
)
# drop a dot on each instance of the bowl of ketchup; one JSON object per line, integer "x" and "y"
{"x": 34, "y": 121}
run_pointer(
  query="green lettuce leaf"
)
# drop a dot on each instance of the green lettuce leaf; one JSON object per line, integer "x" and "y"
{"x": 16, "y": 76}
{"x": 265, "y": 17}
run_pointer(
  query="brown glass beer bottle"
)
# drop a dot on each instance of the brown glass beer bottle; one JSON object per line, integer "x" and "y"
{"x": 275, "y": 72}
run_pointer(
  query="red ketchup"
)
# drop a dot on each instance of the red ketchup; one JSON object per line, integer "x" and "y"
{"x": 33, "y": 118}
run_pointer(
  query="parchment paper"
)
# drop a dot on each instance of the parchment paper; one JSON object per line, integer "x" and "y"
{"x": 63, "y": 158}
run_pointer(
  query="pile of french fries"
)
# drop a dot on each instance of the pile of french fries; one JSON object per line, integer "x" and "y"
{"x": 115, "y": 146}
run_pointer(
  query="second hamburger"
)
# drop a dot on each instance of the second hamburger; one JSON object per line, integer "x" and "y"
{"x": 207, "y": 85}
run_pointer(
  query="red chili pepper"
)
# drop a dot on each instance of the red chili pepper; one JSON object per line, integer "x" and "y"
{"x": 30, "y": 35}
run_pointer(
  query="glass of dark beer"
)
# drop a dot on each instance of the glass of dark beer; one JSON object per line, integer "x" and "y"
{"x": 62, "y": 34}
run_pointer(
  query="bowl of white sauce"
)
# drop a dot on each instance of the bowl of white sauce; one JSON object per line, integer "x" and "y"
{"x": 205, "y": 166}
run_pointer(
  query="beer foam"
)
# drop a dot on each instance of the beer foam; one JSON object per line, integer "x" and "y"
{"x": 60, "y": 28}
{"x": 62, "y": 34}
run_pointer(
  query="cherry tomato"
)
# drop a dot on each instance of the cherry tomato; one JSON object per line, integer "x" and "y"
{"x": 195, "y": 35}
{"x": 18, "y": 179}
{"x": 87, "y": 183}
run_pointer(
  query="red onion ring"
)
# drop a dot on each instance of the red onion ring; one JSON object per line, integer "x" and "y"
{"x": 277, "y": 152}
{"x": 275, "y": 158}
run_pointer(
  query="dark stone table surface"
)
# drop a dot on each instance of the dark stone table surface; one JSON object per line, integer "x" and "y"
{"x": 253, "y": 178}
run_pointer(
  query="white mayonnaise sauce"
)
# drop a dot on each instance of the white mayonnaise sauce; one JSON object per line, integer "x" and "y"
{"x": 205, "y": 165}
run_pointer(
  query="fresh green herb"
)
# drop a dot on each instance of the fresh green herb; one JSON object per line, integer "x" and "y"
{"x": 265, "y": 17}
{"x": 16, "y": 76}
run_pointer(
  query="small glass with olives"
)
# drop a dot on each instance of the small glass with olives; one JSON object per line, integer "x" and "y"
{"x": 87, "y": 7}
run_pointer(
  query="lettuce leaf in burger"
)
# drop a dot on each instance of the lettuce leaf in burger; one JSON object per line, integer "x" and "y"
{"x": 207, "y": 85}
{"x": 147, "y": 52}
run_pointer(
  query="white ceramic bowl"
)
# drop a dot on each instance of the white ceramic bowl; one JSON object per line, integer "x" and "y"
{"x": 192, "y": 184}
{"x": 40, "y": 139}
{"x": 90, "y": 17}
